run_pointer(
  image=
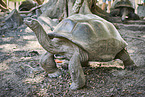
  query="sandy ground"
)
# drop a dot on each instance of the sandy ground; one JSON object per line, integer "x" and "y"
{"x": 22, "y": 76}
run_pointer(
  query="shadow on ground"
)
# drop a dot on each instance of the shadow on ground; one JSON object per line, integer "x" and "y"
{"x": 22, "y": 75}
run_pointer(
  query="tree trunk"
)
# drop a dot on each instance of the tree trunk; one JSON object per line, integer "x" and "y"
{"x": 39, "y": 2}
{"x": 64, "y": 8}
{"x": 89, "y": 6}
{"x": 54, "y": 9}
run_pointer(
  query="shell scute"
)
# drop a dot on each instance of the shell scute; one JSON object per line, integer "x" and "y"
{"x": 95, "y": 35}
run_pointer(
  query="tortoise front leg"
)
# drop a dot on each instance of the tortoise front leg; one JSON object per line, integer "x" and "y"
{"x": 48, "y": 64}
{"x": 76, "y": 72}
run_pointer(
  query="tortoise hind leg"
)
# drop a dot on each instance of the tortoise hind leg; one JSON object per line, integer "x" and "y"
{"x": 133, "y": 16}
{"x": 48, "y": 64}
{"x": 127, "y": 61}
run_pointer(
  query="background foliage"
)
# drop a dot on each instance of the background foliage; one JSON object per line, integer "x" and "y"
{"x": 14, "y": 0}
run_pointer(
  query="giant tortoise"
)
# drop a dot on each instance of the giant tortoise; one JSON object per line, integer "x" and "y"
{"x": 124, "y": 9}
{"x": 80, "y": 38}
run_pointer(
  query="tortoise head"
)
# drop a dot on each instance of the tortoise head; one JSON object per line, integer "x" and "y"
{"x": 31, "y": 22}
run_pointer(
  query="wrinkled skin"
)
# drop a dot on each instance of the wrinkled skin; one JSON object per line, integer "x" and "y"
{"x": 124, "y": 9}
{"x": 77, "y": 54}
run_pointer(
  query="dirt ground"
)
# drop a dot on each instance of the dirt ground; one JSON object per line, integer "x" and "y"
{"x": 22, "y": 76}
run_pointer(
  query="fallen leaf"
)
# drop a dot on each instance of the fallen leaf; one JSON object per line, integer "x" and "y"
{"x": 3, "y": 35}
{"x": 139, "y": 92}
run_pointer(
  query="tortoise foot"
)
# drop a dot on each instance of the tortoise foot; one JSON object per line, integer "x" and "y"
{"x": 55, "y": 74}
{"x": 75, "y": 86}
{"x": 131, "y": 68}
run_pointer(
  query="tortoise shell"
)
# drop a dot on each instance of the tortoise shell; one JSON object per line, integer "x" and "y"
{"x": 93, "y": 34}
{"x": 122, "y": 3}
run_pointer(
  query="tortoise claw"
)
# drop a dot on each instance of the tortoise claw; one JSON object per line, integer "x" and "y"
{"x": 55, "y": 74}
{"x": 131, "y": 68}
{"x": 75, "y": 86}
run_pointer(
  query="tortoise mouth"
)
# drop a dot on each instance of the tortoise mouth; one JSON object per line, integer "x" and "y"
{"x": 27, "y": 20}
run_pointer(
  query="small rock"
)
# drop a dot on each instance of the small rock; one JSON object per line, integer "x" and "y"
{"x": 32, "y": 53}
{"x": 119, "y": 73}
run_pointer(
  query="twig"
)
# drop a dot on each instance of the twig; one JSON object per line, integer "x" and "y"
{"x": 32, "y": 9}
{"x": 139, "y": 80}
{"x": 135, "y": 38}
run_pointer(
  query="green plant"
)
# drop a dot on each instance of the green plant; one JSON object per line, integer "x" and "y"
{"x": 14, "y": 0}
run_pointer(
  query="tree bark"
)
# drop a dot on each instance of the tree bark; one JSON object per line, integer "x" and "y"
{"x": 64, "y": 8}
{"x": 54, "y": 9}
{"x": 89, "y": 6}
{"x": 39, "y": 2}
